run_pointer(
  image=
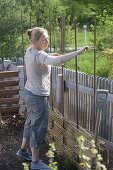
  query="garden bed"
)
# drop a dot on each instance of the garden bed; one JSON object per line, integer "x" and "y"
{"x": 10, "y": 141}
{"x": 11, "y": 130}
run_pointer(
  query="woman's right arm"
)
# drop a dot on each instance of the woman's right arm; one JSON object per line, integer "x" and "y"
{"x": 60, "y": 59}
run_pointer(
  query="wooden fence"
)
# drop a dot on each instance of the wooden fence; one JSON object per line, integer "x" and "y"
{"x": 62, "y": 125}
{"x": 11, "y": 89}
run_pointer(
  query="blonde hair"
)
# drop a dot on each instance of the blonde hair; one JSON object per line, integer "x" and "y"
{"x": 35, "y": 33}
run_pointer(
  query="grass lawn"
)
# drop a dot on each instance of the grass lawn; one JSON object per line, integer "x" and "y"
{"x": 81, "y": 38}
{"x": 85, "y": 62}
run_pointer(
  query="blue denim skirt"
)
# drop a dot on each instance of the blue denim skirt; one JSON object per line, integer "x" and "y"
{"x": 36, "y": 124}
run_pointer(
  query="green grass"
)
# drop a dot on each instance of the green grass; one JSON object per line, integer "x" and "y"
{"x": 86, "y": 60}
{"x": 81, "y": 38}
{"x": 85, "y": 63}
{"x": 70, "y": 39}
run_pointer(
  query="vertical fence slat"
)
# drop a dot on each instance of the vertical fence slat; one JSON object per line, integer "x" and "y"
{"x": 21, "y": 91}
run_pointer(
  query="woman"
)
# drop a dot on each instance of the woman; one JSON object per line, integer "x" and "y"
{"x": 37, "y": 89}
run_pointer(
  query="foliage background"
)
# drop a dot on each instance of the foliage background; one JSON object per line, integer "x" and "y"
{"x": 16, "y": 16}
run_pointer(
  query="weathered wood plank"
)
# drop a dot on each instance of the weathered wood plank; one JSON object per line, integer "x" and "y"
{"x": 9, "y": 74}
{"x": 12, "y": 100}
{"x": 5, "y": 83}
{"x": 9, "y": 92}
{"x": 9, "y": 110}
{"x": 85, "y": 89}
{"x": 81, "y": 88}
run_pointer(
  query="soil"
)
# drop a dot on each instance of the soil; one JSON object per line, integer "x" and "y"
{"x": 11, "y": 130}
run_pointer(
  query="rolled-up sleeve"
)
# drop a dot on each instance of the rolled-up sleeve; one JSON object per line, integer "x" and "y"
{"x": 48, "y": 59}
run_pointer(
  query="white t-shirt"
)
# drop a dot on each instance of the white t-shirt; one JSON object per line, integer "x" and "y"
{"x": 38, "y": 69}
{"x": 38, "y": 74}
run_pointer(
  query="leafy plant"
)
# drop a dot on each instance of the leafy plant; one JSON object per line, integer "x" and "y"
{"x": 26, "y": 166}
{"x": 104, "y": 31}
{"x": 86, "y": 160}
{"x": 50, "y": 155}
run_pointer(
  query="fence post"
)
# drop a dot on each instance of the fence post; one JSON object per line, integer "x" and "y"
{"x": 59, "y": 94}
{"x": 21, "y": 90}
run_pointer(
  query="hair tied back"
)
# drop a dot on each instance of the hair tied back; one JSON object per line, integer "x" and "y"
{"x": 29, "y": 31}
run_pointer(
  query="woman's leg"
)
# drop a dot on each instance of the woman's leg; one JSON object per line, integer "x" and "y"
{"x": 25, "y": 150}
{"x": 35, "y": 154}
{"x": 39, "y": 123}
{"x": 24, "y": 144}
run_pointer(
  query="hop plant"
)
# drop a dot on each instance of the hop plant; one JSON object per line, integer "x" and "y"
{"x": 97, "y": 157}
{"x": 50, "y": 155}
{"x": 26, "y": 166}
